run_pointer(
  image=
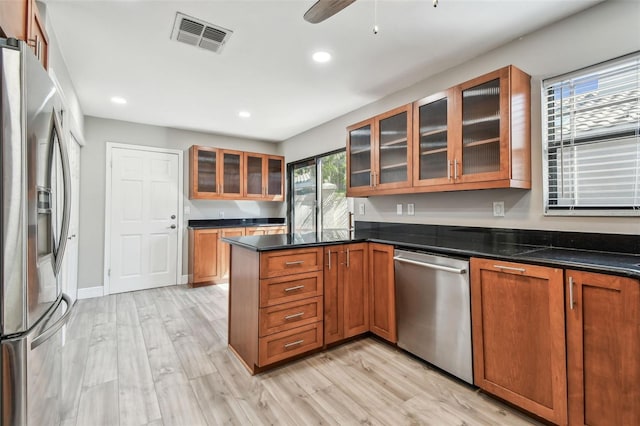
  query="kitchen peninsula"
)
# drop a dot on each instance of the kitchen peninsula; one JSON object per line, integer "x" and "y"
{"x": 284, "y": 303}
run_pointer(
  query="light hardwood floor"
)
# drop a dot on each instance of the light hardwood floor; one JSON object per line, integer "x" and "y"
{"x": 160, "y": 357}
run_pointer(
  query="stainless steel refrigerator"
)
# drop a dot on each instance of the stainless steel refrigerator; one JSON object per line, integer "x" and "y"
{"x": 35, "y": 203}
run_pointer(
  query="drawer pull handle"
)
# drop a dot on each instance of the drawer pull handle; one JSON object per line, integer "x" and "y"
{"x": 509, "y": 268}
{"x": 292, "y": 316}
{"x": 296, "y": 262}
{"x": 296, "y": 343}
{"x": 298, "y": 287}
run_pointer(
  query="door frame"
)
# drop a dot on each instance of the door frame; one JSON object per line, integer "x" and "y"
{"x": 107, "y": 210}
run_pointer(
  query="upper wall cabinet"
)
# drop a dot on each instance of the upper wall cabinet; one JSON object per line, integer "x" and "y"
{"x": 264, "y": 177}
{"x": 217, "y": 174}
{"x": 380, "y": 153}
{"x": 20, "y": 19}
{"x": 472, "y": 136}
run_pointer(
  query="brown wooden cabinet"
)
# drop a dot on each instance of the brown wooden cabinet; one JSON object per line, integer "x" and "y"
{"x": 275, "y": 304}
{"x": 475, "y": 135}
{"x": 209, "y": 256}
{"x": 519, "y": 335}
{"x": 382, "y": 293}
{"x": 265, "y": 230}
{"x": 346, "y": 281}
{"x": 21, "y": 19}
{"x": 379, "y": 153}
{"x": 263, "y": 177}
{"x": 204, "y": 255}
{"x": 603, "y": 342}
{"x": 235, "y": 175}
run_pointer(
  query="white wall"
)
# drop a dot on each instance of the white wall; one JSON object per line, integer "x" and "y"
{"x": 605, "y": 31}
{"x": 98, "y": 132}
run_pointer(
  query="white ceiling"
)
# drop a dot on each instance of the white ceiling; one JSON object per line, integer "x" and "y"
{"x": 122, "y": 48}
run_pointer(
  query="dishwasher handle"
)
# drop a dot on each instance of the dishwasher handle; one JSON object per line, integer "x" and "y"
{"x": 431, "y": 265}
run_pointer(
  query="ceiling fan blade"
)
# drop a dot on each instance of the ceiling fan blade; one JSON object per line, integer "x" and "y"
{"x": 323, "y": 9}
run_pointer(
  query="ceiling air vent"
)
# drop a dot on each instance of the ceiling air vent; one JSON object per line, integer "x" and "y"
{"x": 197, "y": 32}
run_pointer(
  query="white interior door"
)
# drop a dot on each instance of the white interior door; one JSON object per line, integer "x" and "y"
{"x": 144, "y": 219}
{"x": 70, "y": 265}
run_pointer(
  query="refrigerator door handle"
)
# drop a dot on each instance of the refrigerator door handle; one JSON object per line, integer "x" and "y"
{"x": 66, "y": 209}
{"x": 45, "y": 335}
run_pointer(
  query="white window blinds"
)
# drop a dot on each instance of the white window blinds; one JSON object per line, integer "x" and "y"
{"x": 591, "y": 150}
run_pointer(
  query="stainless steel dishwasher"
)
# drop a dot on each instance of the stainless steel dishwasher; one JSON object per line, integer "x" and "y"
{"x": 433, "y": 309}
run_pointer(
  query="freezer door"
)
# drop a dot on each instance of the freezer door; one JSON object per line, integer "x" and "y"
{"x": 31, "y": 371}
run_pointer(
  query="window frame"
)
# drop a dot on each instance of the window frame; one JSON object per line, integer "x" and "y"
{"x": 573, "y": 210}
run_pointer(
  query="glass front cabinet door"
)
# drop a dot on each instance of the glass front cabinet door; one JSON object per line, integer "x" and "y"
{"x": 434, "y": 139}
{"x": 204, "y": 179}
{"x": 360, "y": 159}
{"x": 392, "y": 167}
{"x": 495, "y": 129}
{"x": 264, "y": 177}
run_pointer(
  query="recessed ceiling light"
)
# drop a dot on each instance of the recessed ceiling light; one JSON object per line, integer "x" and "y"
{"x": 321, "y": 57}
{"x": 118, "y": 100}
{"x": 244, "y": 114}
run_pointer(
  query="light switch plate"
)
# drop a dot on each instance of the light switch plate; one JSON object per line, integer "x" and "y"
{"x": 361, "y": 208}
{"x": 498, "y": 208}
{"x": 187, "y": 210}
{"x": 221, "y": 214}
{"x": 411, "y": 209}
{"x": 399, "y": 209}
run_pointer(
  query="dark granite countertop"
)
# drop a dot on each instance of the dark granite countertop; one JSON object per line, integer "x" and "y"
{"x": 551, "y": 248}
{"x": 234, "y": 223}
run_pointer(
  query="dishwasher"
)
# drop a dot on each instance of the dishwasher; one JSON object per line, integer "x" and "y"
{"x": 433, "y": 309}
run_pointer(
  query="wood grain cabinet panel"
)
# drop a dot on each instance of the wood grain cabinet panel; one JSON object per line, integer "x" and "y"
{"x": 277, "y": 318}
{"x": 475, "y": 135}
{"x": 21, "y": 19}
{"x": 346, "y": 291}
{"x": 280, "y": 346}
{"x": 379, "y": 153}
{"x": 294, "y": 261}
{"x": 225, "y": 251}
{"x": 204, "y": 256}
{"x": 274, "y": 291}
{"x": 265, "y": 230}
{"x": 217, "y": 174}
{"x": 519, "y": 335}
{"x": 603, "y": 342}
{"x": 382, "y": 293}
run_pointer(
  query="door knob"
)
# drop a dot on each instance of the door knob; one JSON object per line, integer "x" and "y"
{"x": 173, "y": 227}
{"x": 173, "y": 216}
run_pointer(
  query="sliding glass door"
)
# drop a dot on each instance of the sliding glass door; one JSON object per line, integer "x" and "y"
{"x": 317, "y": 198}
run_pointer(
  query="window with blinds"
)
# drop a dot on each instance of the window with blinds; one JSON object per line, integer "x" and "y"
{"x": 591, "y": 132}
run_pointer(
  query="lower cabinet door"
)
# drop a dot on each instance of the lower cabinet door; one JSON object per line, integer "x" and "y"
{"x": 518, "y": 328}
{"x": 286, "y": 344}
{"x": 603, "y": 338}
{"x": 333, "y": 295}
{"x": 382, "y": 294}
{"x": 355, "y": 289}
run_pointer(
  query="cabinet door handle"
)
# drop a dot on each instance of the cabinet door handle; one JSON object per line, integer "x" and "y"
{"x": 448, "y": 169}
{"x": 292, "y": 316}
{"x": 329, "y": 254}
{"x": 347, "y": 258}
{"x": 509, "y": 268}
{"x": 298, "y": 287}
{"x": 297, "y": 342}
{"x": 455, "y": 169}
{"x": 571, "y": 301}
{"x": 295, "y": 262}
{"x": 371, "y": 178}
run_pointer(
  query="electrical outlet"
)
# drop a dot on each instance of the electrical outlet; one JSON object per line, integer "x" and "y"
{"x": 411, "y": 210}
{"x": 498, "y": 208}
{"x": 187, "y": 210}
{"x": 361, "y": 209}
{"x": 399, "y": 209}
{"x": 221, "y": 214}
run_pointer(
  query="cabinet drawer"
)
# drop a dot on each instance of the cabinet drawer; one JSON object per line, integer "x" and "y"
{"x": 285, "y": 262}
{"x": 288, "y": 343}
{"x": 290, "y": 288}
{"x": 290, "y": 315}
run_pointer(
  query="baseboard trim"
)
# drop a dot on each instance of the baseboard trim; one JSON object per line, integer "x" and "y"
{"x": 90, "y": 292}
{"x": 185, "y": 279}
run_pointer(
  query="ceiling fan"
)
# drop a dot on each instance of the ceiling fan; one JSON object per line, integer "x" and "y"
{"x": 323, "y": 9}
